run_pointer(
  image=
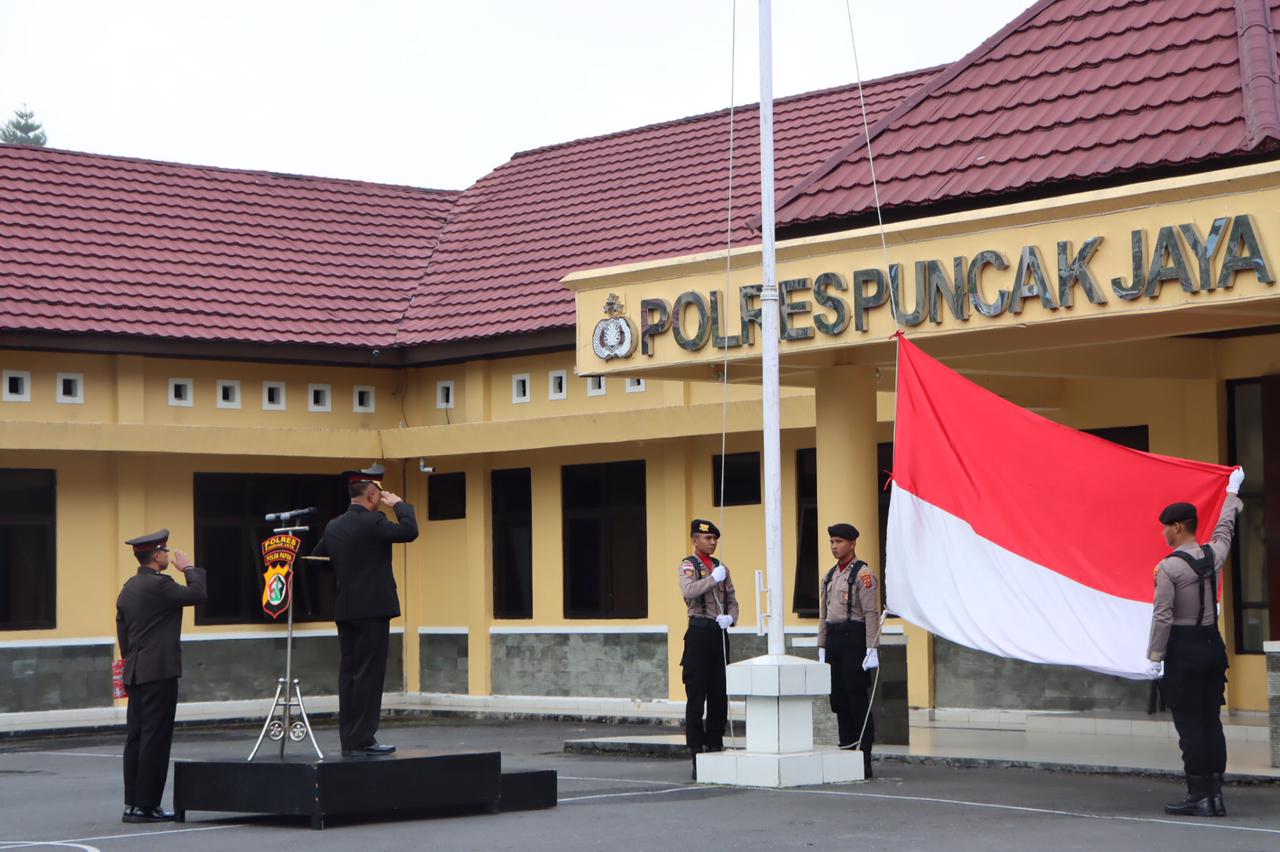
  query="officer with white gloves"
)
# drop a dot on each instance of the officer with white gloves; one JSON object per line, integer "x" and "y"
{"x": 1186, "y": 650}
{"x": 849, "y": 637}
{"x": 713, "y": 608}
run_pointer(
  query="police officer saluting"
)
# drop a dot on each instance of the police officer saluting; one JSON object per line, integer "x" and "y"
{"x": 849, "y": 638}
{"x": 1186, "y": 649}
{"x": 149, "y": 628}
{"x": 358, "y": 544}
{"x": 713, "y": 609}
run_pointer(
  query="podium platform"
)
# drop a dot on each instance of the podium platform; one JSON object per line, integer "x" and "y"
{"x": 407, "y": 782}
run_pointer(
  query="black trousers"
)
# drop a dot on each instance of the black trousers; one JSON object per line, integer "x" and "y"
{"x": 849, "y": 683}
{"x": 150, "y": 736}
{"x": 362, "y": 672}
{"x": 1195, "y": 679}
{"x": 706, "y": 648}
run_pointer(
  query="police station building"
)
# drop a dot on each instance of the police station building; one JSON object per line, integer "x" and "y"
{"x": 559, "y": 365}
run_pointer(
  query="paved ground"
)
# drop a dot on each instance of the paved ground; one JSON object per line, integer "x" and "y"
{"x": 66, "y": 794}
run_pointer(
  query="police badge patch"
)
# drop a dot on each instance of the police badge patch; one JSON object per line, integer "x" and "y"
{"x": 614, "y": 336}
{"x": 278, "y": 553}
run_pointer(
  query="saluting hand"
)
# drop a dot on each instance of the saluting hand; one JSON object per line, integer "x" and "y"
{"x": 180, "y": 560}
{"x": 389, "y": 499}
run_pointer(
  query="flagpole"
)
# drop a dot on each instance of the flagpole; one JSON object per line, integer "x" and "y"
{"x": 769, "y": 365}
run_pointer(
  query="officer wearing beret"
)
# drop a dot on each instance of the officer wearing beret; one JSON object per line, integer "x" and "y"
{"x": 149, "y": 628}
{"x": 1186, "y": 649}
{"x": 713, "y": 608}
{"x": 849, "y": 638}
{"x": 358, "y": 544}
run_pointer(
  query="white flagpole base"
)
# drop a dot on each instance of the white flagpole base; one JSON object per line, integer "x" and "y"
{"x": 779, "y": 692}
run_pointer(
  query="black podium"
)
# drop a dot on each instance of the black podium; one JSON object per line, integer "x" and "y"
{"x": 401, "y": 784}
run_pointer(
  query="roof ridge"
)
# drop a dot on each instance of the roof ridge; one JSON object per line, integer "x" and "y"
{"x": 1260, "y": 77}
{"x": 789, "y": 99}
{"x": 228, "y": 169}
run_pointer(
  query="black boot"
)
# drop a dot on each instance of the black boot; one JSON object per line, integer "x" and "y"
{"x": 866, "y": 764}
{"x": 1215, "y": 795}
{"x": 1197, "y": 801}
{"x": 694, "y": 756}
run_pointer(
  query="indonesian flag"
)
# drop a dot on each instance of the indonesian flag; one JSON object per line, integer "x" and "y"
{"x": 1015, "y": 535}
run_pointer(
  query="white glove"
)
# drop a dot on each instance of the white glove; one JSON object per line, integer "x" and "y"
{"x": 718, "y": 574}
{"x": 822, "y": 655}
{"x": 725, "y": 621}
{"x": 1234, "y": 480}
{"x": 1155, "y": 671}
{"x": 871, "y": 660}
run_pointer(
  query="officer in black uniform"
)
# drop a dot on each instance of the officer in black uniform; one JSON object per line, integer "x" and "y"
{"x": 149, "y": 628}
{"x": 358, "y": 544}
{"x": 1186, "y": 650}
{"x": 712, "y": 604}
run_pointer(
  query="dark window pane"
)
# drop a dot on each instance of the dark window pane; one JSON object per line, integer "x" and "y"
{"x": 447, "y": 497}
{"x": 512, "y": 501}
{"x": 229, "y": 510}
{"x": 1133, "y": 437}
{"x": 804, "y": 600}
{"x": 741, "y": 479}
{"x": 1251, "y": 407}
{"x": 28, "y": 561}
{"x": 605, "y": 540}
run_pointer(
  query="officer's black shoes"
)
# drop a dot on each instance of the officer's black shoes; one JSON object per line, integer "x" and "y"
{"x": 1215, "y": 795}
{"x": 137, "y": 814}
{"x": 373, "y": 749}
{"x": 694, "y": 776}
{"x": 866, "y": 765}
{"x": 1198, "y": 802}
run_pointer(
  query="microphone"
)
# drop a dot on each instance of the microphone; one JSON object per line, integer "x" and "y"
{"x": 289, "y": 516}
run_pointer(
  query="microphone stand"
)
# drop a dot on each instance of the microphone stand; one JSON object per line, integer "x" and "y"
{"x": 297, "y": 729}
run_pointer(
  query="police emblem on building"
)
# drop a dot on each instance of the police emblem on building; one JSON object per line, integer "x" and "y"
{"x": 614, "y": 336}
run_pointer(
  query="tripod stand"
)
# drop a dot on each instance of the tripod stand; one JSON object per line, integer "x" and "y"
{"x": 288, "y": 693}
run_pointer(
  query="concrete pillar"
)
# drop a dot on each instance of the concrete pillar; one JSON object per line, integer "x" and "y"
{"x": 479, "y": 579}
{"x": 845, "y": 399}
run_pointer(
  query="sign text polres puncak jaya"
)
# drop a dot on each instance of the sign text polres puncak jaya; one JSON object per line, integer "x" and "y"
{"x": 1179, "y": 254}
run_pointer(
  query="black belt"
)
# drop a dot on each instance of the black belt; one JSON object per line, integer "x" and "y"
{"x": 1194, "y": 629}
{"x": 845, "y": 626}
{"x": 699, "y": 621}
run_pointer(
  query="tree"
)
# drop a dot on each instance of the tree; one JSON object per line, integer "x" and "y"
{"x": 23, "y": 129}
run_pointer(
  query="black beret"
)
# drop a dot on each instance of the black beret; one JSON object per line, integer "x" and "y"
{"x": 699, "y": 527}
{"x": 372, "y": 473}
{"x": 1175, "y": 512}
{"x": 845, "y": 531}
{"x": 149, "y": 542}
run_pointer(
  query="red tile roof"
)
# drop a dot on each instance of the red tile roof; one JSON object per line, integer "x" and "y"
{"x": 1071, "y": 91}
{"x": 106, "y": 245}
{"x": 658, "y": 191}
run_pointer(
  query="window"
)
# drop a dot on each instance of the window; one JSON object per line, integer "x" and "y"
{"x": 228, "y": 393}
{"x": 804, "y": 599}
{"x": 444, "y": 394}
{"x": 17, "y": 386}
{"x": 71, "y": 388}
{"x": 27, "y": 556}
{"x": 520, "y": 388}
{"x": 606, "y": 571}
{"x": 512, "y": 502}
{"x": 741, "y": 479}
{"x": 447, "y": 497}
{"x": 273, "y": 396}
{"x": 229, "y": 510}
{"x": 558, "y": 384}
{"x": 595, "y": 385}
{"x": 635, "y": 385}
{"x": 181, "y": 393}
{"x": 362, "y": 401}
{"x": 1253, "y": 414}
{"x": 319, "y": 398}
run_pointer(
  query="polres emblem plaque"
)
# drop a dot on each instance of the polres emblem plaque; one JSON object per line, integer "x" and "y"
{"x": 614, "y": 336}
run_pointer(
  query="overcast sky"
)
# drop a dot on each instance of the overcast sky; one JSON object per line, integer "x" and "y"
{"x": 428, "y": 93}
